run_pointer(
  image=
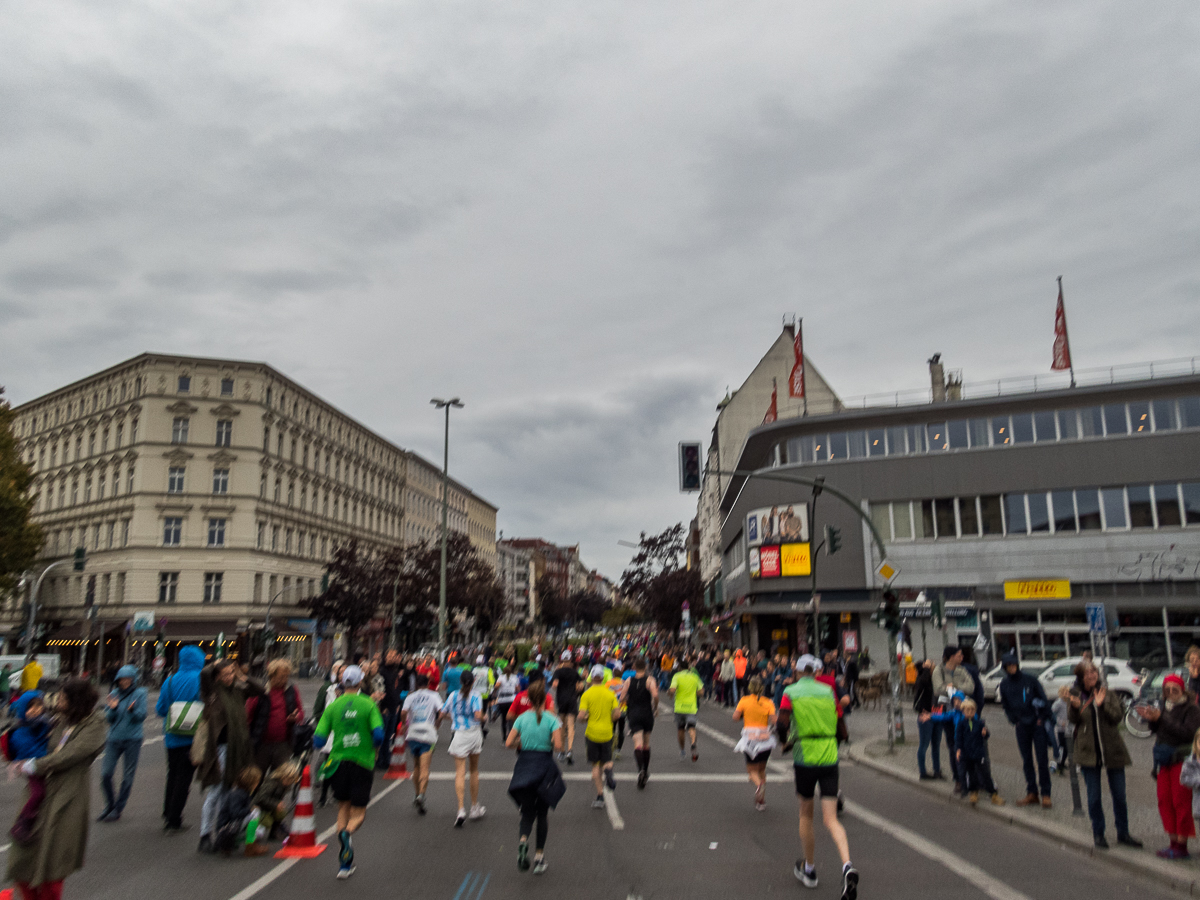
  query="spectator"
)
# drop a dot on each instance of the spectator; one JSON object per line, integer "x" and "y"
{"x": 726, "y": 673}
{"x": 927, "y": 725}
{"x": 274, "y": 716}
{"x": 179, "y": 693}
{"x": 740, "y": 665}
{"x": 1193, "y": 664}
{"x": 852, "y": 679}
{"x": 970, "y": 738}
{"x": 1174, "y": 727}
{"x": 31, "y": 675}
{"x": 1058, "y": 712}
{"x": 1096, "y": 715}
{"x": 126, "y": 712}
{"x": 1025, "y": 705}
{"x": 60, "y": 836}
{"x": 951, "y": 674}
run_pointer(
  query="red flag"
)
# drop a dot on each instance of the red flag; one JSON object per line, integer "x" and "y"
{"x": 1062, "y": 346}
{"x": 796, "y": 380}
{"x": 773, "y": 409}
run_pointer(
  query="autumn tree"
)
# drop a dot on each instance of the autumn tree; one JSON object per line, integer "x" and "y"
{"x": 657, "y": 580}
{"x": 355, "y": 588}
{"x": 471, "y": 584}
{"x": 20, "y": 539}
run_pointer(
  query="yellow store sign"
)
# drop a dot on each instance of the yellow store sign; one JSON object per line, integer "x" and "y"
{"x": 1038, "y": 589}
{"x": 795, "y": 560}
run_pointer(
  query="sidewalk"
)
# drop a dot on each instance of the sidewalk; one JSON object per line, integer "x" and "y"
{"x": 868, "y": 746}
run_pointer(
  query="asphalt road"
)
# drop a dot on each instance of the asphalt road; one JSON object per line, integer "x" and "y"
{"x": 693, "y": 833}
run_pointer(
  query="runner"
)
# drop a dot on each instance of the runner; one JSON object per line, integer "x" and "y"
{"x": 356, "y": 727}
{"x": 757, "y": 715}
{"x": 616, "y": 684}
{"x": 566, "y": 686}
{"x": 482, "y": 680}
{"x": 686, "y": 685}
{"x": 421, "y": 716}
{"x": 535, "y": 734}
{"x": 808, "y": 723}
{"x": 466, "y": 715}
{"x": 507, "y": 686}
{"x": 600, "y": 707}
{"x": 641, "y": 698}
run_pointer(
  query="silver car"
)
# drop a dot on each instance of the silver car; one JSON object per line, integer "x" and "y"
{"x": 1122, "y": 679}
{"x": 991, "y": 678}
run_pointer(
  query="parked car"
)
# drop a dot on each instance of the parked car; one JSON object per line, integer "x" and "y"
{"x": 991, "y": 678}
{"x": 1122, "y": 679}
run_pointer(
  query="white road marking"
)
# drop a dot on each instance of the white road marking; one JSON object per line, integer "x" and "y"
{"x": 993, "y": 887}
{"x": 153, "y": 740}
{"x": 5, "y": 847}
{"x": 614, "y": 814}
{"x": 659, "y": 777}
{"x": 254, "y": 887}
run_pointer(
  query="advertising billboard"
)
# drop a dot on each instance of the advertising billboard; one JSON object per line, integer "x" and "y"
{"x": 783, "y": 524}
{"x": 780, "y": 560}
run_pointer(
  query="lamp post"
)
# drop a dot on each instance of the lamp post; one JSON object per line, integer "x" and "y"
{"x": 446, "y": 405}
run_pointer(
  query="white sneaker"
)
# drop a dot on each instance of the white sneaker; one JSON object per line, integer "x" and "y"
{"x": 345, "y": 873}
{"x": 460, "y": 818}
{"x": 805, "y": 878}
{"x": 477, "y": 812}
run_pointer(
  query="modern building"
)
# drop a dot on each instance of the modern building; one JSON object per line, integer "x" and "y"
{"x": 1015, "y": 504}
{"x": 518, "y": 578}
{"x": 206, "y": 492}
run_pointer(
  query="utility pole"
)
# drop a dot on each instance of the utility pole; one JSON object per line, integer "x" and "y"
{"x": 446, "y": 405}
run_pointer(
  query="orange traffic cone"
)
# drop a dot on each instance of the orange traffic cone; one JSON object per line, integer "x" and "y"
{"x": 398, "y": 764}
{"x": 302, "y": 842}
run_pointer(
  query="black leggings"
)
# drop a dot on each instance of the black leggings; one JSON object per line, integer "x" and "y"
{"x": 534, "y": 807}
{"x": 502, "y": 714}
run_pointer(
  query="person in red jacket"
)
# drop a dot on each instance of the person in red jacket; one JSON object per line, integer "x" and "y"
{"x": 429, "y": 668}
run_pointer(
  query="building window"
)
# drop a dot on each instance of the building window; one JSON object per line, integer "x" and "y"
{"x": 175, "y": 480}
{"x": 172, "y": 531}
{"x": 74, "y": 492}
{"x": 212, "y": 586}
{"x": 262, "y": 535}
{"x": 129, "y": 480}
{"x": 291, "y": 493}
{"x": 220, "y": 481}
{"x": 185, "y": 383}
{"x": 179, "y": 430}
{"x": 124, "y": 532}
{"x": 168, "y": 585}
{"x": 275, "y": 539}
{"x": 216, "y": 532}
{"x": 226, "y": 387}
{"x": 87, "y": 489}
{"x": 266, "y": 440}
{"x": 287, "y": 542}
{"x": 224, "y": 432}
{"x": 100, "y": 486}
{"x": 278, "y": 489}
{"x": 133, "y": 431}
{"x": 112, "y": 529}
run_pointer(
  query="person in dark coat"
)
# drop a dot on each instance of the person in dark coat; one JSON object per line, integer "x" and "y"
{"x": 1174, "y": 727}
{"x": 923, "y": 703}
{"x": 970, "y": 741}
{"x": 59, "y": 839}
{"x": 1097, "y": 715}
{"x": 1024, "y": 702}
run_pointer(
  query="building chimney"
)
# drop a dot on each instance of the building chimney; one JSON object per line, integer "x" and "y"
{"x": 954, "y": 385}
{"x": 937, "y": 378}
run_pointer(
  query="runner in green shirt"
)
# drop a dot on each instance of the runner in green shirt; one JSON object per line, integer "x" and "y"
{"x": 686, "y": 685}
{"x": 354, "y": 727}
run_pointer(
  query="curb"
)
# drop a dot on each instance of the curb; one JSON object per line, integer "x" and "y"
{"x": 1162, "y": 872}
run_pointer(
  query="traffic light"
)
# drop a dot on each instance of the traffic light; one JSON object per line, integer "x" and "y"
{"x": 80, "y": 558}
{"x": 823, "y": 626}
{"x": 833, "y": 540}
{"x": 689, "y": 466}
{"x": 887, "y": 616}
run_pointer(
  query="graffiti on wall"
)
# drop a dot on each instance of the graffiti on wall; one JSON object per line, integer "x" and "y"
{"x": 1165, "y": 565}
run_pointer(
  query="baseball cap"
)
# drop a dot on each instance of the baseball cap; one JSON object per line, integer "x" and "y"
{"x": 479, "y": 660}
{"x": 566, "y": 654}
{"x": 352, "y": 677}
{"x": 808, "y": 661}
{"x": 597, "y": 671}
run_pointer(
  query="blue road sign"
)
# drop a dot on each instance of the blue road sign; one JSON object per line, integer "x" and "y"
{"x": 1097, "y": 624}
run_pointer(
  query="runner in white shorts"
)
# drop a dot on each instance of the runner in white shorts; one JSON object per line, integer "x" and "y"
{"x": 465, "y": 709}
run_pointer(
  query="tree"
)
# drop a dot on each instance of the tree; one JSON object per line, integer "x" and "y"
{"x": 621, "y": 615}
{"x": 656, "y": 581}
{"x": 355, "y": 589}
{"x": 585, "y": 607}
{"x": 20, "y": 538}
{"x": 553, "y": 608}
{"x": 471, "y": 584}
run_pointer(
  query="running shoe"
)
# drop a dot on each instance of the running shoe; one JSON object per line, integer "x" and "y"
{"x": 610, "y": 780}
{"x": 806, "y": 878}
{"x": 759, "y": 805}
{"x": 345, "y": 872}
{"x": 523, "y": 856}
{"x": 695, "y": 753}
{"x": 570, "y": 758}
{"x": 642, "y": 775}
{"x": 598, "y": 803}
{"x": 477, "y": 812}
{"x": 850, "y": 884}
{"x": 760, "y": 795}
{"x": 539, "y": 866}
{"x": 460, "y": 818}
{"x": 419, "y": 803}
{"x": 346, "y": 851}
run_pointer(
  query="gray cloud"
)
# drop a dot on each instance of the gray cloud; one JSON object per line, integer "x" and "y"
{"x": 587, "y": 218}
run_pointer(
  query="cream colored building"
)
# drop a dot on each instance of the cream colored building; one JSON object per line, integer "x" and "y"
{"x": 203, "y": 489}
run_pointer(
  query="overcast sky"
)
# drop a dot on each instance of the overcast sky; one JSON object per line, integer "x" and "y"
{"x": 588, "y": 218}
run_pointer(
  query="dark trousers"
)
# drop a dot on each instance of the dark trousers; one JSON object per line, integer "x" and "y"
{"x": 179, "y": 781}
{"x": 534, "y": 807}
{"x": 1116, "y": 786}
{"x": 502, "y": 712}
{"x": 128, "y": 752}
{"x": 926, "y": 741}
{"x": 947, "y": 728}
{"x": 977, "y": 775}
{"x": 1031, "y": 740}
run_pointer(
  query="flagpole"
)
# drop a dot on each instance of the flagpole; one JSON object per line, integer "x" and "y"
{"x": 800, "y": 325}
{"x": 1071, "y": 364}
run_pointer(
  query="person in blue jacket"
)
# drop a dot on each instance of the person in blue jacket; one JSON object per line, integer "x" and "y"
{"x": 126, "y": 712}
{"x": 1024, "y": 702}
{"x": 181, "y": 686}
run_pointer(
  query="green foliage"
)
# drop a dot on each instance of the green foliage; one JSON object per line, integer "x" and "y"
{"x": 621, "y": 615}
{"x": 657, "y": 581}
{"x": 20, "y": 539}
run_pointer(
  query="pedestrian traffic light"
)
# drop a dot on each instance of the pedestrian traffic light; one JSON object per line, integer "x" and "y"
{"x": 823, "y": 625}
{"x": 80, "y": 558}
{"x": 833, "y": 540}
{"x": 689, "y": 466}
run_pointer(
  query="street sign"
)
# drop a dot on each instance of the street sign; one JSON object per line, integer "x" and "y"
{"x": 1097, "y": 624}
{"x": 887, "y": 571}
{"x": 143, "y": 620}
{"x": 849, "y": 641}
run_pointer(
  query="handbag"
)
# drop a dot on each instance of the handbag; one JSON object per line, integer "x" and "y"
{"x": 199, "y": 748}
{"x": 183, "y": 718}
{"x": 1166, "y": 755}
{"x": 552, "y": 788}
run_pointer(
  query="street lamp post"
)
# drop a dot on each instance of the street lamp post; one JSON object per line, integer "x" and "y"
{"x": 446, "y": 405}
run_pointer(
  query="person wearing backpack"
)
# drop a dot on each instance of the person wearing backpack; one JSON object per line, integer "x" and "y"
{"x": 180, "y": 706}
